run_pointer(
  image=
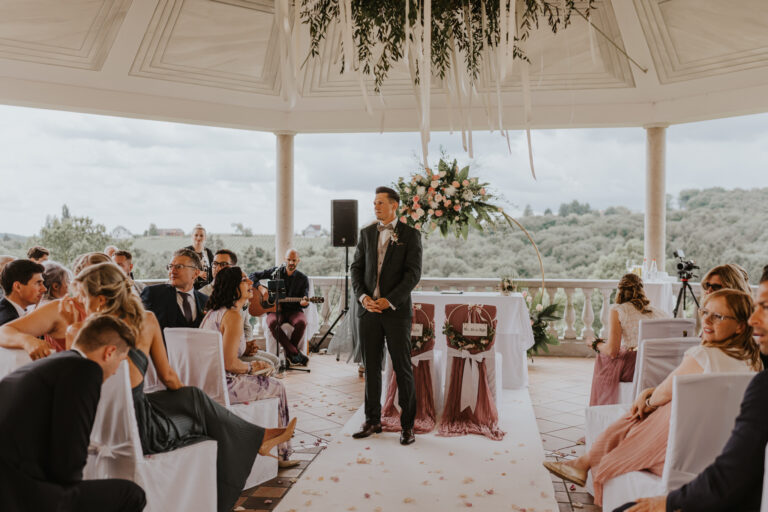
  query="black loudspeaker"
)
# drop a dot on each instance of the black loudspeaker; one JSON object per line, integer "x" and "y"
{"x": 344, "y": 222}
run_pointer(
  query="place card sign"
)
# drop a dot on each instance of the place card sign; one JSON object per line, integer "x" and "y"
{"x": 470, "y": 329}
{"x": 417, "y": 330}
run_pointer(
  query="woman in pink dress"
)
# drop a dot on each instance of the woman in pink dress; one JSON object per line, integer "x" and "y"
{"x": 639, "y": 440}
{"x": 616, "y": 357}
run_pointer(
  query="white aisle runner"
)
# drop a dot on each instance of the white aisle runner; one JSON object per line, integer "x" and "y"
{"x": 436, "y": 473}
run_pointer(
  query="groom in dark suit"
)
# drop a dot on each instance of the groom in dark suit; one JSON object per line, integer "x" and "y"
{"x": 47, "y": 410}
{"x": 386, "y": 268}
{"x": 177, "y": 304}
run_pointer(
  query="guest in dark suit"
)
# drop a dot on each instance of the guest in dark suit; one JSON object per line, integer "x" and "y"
{"x": 296, "y": 286}
{"x": 386, "y": 268}
{"x": 734, "y": 480}
{"x": 22, "y": 281}
{"x": 177, "y": 304}
{"x": 47, "y": 409}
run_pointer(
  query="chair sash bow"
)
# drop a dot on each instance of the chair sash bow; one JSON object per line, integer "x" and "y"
{"x": 471, "y": 377}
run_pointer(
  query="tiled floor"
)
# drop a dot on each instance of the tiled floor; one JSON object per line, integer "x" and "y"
{"x": 326, "y": 398}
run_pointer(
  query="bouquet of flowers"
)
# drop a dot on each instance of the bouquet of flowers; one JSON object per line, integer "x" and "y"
{"x": 507, "y": 285}
{"x": 541, "y": 316}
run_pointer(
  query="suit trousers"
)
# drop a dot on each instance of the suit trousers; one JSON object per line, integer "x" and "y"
{"x": 375, "y": 328}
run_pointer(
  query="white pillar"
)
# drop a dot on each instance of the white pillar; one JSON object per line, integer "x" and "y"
{"x": 655, "y": 194}
{"x": 284, "y": 189}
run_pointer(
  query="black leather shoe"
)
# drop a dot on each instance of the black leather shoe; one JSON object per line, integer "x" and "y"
{"x": 407, "y": 436}
{"x": 367, "y": 430}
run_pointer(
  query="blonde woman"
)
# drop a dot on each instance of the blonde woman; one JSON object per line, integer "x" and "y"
{"x": 639, "y": 440}
{"x": 181, "y": 414}
{"x": 616, "y": 356}
{"x": 199, "y": 236}
{"x": 729, "y": 275}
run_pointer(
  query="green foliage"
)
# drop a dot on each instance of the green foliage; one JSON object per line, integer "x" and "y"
{"x": 541, "y": 318}
{"x": 70, "y": 236}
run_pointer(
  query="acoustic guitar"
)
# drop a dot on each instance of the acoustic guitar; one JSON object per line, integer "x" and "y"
{"x": 260, "y": 303}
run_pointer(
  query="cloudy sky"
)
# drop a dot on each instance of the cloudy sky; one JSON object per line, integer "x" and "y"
{"x": 132, "y": 172}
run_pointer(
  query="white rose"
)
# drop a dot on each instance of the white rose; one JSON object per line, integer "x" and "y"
{"x": 449, "y": 191}
{"x": 467, "y": 195}
{"x": 433, "y": 205}
{"x": 420, "y": 212}
{"x": 420, "y": 190}
{"x": 438, "y": 197}
{"x": 434, "y": 184}
{"x": 407, "y": 190}
{"x": 539, "y": 308}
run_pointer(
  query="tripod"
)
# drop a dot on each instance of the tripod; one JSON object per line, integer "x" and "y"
{"x": 278, "y": 286}
{"x": 681, "y": 297}
{"x": 345, "y": 310}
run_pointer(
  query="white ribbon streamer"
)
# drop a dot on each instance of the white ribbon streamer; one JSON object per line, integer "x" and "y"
{"x": 471, "y": 378}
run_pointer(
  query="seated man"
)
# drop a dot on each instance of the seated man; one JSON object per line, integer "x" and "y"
{"x": 47, "y": 410}
{"x": 734, "y": 480}
{"x": 38, "y": 254}
{"x": 177, "y": 304}
{"x": 4, "y": 260}
{"x": 124, "y": 260}
{"x": 297, "y": 286}
{"x": 22, "y": 281}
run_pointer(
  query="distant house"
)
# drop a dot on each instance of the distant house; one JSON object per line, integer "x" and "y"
{"x": 313, "y": 231}
{"x": 170, "y": 232}
{"x": 121, "y": 233}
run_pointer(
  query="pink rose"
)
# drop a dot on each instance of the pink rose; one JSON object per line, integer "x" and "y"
{"x": 455, "y": 184}
{"x": 482, "y": 191}
{"x": 417, "y": 225}
{"x": 415, "y": 200}
{"x": 465, "y": 183}
{"x": 457, "y": 207}
{"x": 431, "y": 189}
{"x": 430, "y": 211}
{"x": 447, "y": 202}
{"x": 403, "y": 219}
{"x": 438, "y": 213}
{"x": 414, "y": 215}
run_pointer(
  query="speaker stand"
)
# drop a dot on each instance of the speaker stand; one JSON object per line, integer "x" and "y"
{"x": 344, "y": 311}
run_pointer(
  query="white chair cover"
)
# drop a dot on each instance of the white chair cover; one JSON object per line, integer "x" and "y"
{"x": 313, "y": 324}
{"x": 764, "y": 502}
{"x": 12, "y": 358}
{"x": 656, "y": 358}
{"x": 198, "y": 357}
{"x": 436, "y": 358}
{"x": 183, "y": 479}
{"x": 690, "y": 447}
{"x": 666, "y": 328}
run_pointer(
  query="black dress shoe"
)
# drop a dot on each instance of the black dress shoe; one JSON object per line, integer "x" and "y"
{"x": 367, "y": 430}
{"x": 407, "y": 436}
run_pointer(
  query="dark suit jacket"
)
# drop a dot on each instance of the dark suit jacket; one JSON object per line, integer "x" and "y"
{"x": 400, "y": 272}
{"x": 161, "y": 300}
{"x": 7, "y": 311}
{"x": 734, "y": 480}
{"x": 47, "y": 410}
{"x": 200, "y": 282}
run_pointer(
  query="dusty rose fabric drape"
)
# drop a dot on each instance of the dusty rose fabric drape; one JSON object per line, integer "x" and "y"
{"x": 485, "y": 418}
{"x": 422, "y": 374}
{"x": 607, "y": 375}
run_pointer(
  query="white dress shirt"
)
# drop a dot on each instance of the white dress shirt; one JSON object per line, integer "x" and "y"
{"x": 384, "y": 237}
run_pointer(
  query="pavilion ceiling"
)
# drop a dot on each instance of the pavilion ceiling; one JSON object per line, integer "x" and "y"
{"x": 217, "y": 62}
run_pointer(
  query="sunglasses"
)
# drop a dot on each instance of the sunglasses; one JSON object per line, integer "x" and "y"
{"x": 711, "y": 286}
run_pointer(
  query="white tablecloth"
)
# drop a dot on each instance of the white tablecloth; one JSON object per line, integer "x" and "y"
{"x": 661, "y": 295}
{"x": 514, "y": 335}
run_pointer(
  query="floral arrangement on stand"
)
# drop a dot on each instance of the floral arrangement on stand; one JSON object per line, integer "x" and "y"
{"x": 457, "y": 340}
{"x": 452, "y": 201}
{"x": 427, "y": 335}
{"x": 541, "y": 317}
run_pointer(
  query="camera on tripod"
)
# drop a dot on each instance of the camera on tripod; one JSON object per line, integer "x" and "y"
{"x": 684, "y": 267}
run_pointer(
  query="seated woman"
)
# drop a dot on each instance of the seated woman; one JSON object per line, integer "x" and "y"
{"x": 56, "y": 279}
{"x": 616, "y": 357}
{"x": 231, "y": 291}
{"x": 179, "y": 415}
{"x": 729, "y": 275}
{"x": 639, "y": 440}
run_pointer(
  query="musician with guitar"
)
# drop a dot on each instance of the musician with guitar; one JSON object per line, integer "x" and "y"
{"x": 291, "y": 309}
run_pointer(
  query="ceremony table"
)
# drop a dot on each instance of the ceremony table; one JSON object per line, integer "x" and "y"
{"x": 661, "y": 294}
{"x": 514, "y": 335}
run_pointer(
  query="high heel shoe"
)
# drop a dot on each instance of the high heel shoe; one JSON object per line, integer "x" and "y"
{"x": 267, "y": 445}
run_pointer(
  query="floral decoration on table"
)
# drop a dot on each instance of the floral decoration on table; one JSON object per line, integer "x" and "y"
{"x": 452, "y": 201}
{"x": 507, "y": 286}
{"x": 427, "y": 335}
{"x": 458, "y": 341}
{"x": 541, "y": 317}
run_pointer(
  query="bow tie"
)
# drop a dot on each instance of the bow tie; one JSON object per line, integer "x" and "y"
{"x": 387, "y": 227}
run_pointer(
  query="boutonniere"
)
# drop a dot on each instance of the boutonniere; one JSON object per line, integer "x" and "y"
{"x": 393, "y": 238}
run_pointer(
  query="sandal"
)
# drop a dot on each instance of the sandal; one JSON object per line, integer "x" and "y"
{"x": 567, "y": 472}
{"x": 267, "y": 445}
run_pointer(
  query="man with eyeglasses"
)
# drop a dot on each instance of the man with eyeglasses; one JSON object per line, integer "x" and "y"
{"x": 177, "y": 303}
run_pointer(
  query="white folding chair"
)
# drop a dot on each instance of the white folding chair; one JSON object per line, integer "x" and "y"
{"x": 697, "y": 434}
{"x": 657, "y": 358}
{"x": 12, "y": 358}
{"x": 656, "y": 329}
{"x": 182, "y": 479}
{"x": 197, "y": 356}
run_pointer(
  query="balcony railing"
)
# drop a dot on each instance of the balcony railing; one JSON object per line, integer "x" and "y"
{"x": 582, "y": 319}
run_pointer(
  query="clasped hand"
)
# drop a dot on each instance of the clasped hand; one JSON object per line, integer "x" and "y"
{"x": 375, "y": 306}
